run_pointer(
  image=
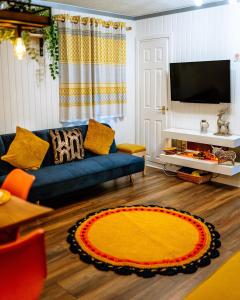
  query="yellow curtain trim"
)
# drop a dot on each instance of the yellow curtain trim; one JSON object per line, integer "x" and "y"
{"x": 78, "y": 104}
{"x": 87, "y": 20}
{"x": 73, "y": 61}
{"x": 92, "y": 90}
{"x": 95, "y": 84}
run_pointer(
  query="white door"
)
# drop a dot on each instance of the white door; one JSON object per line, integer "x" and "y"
{"x": 153, "y": 91}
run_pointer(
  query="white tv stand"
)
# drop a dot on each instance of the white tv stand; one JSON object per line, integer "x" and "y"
{"x": 227, "y": 168}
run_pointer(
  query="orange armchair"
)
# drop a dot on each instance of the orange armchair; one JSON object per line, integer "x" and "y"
{"x": 23, "y": 267}
{"x": 18, "y": 183}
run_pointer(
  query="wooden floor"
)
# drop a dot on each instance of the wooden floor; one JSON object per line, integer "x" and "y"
{"x": 69, "y": 278}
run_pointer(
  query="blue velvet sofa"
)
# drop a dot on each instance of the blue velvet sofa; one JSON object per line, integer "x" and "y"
{"x": 56, "y": 180}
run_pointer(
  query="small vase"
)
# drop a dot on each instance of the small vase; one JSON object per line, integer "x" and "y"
{"x": 204, "y": 125}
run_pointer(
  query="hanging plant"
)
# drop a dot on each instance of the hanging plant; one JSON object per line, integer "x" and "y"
{"x": 7, "y": 35}
{"x": 33, "y": 52}
{"x": 51, "y": 41}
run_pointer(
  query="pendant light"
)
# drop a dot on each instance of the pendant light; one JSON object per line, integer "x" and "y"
{"x": 198, "y": 2}
{"x": 19, "y": 47}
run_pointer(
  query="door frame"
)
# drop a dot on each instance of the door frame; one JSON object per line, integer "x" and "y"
{"x": 145, "y": 38}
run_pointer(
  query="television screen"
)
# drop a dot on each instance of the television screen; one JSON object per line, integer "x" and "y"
{"x": 201, "y": 82}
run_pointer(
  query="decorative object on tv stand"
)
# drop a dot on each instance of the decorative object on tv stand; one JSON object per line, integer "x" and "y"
{"x": 204, "y": 125}
{"x": 223, "y": 126}
{"x": 237, "y": 57}
{"x": 170, "y": 150}
{"x": 223, "y": 155}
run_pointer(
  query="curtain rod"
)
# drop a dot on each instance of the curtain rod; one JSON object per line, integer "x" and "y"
{"x": 128, "y": 28}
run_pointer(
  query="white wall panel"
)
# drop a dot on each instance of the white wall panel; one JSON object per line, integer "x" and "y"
{"x": 208, "y": 34}
{"x": 34, "y": 105}
{"x": 24, "y": 100}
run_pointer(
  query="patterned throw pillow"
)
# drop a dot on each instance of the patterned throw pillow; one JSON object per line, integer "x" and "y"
{"x": 67, "y": 145}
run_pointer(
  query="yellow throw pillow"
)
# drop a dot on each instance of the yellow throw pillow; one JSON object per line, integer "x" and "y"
{"x": 99, "y": 138}
{"x": 27, "y": 151}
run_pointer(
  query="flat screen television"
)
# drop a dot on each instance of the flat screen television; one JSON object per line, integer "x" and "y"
{"x": 201, "y": 82}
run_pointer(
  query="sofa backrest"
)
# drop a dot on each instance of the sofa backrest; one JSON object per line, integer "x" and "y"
{"x": 6, "y": 140}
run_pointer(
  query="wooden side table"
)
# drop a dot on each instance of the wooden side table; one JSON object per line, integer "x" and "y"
{"x": 134, "y": 149}
{"x": 17, "y": 212}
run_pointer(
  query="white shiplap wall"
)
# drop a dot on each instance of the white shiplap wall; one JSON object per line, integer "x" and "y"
{"x": 207, "y": 34}
{"x": 26, "y": 102}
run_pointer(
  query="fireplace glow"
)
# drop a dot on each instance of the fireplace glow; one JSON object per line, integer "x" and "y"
{"x": 199, "y": 151}
{"x": 203, "y": 155}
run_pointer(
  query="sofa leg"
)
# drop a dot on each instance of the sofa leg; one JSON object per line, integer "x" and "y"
{"x": 131, "y": 179}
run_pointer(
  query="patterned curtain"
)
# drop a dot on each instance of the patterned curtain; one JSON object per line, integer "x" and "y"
{"x": 92, "y": 55}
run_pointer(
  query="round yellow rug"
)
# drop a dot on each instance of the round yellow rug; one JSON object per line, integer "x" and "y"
{"x": 145, "y": 240}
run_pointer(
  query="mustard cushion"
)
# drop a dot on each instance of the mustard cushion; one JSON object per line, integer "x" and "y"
{"x": 224, "y": 284}
{"x": 27, "y": 151}
{"x": 99, "y": 138}
{"x": 130, "y": 148}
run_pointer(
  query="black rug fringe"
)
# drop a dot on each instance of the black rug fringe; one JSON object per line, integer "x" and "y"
{"x": 204, "y": 261}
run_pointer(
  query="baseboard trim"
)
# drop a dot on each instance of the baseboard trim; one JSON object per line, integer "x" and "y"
{"x": 227, "y": 181}
{"x": 171, "y": 168}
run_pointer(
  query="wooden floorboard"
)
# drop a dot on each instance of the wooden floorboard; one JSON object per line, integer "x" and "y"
{"x": 69, "y": 278}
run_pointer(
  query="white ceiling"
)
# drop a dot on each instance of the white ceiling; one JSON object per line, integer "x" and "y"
{"x": 132, "y": 8}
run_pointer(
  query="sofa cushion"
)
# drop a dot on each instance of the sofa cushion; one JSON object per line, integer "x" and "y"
{"x": 54, "y": 180}
{"x": 27, "y": 150}
{"x": 84, "y": 128}
{"x": 43, "y": 134}
{"x": 67, "y": 145}
{"x": 99, "y": 138}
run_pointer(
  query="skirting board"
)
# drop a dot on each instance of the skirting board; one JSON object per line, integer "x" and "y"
{"x": 232, "y": 181}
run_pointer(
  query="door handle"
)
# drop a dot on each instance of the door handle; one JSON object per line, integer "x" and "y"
{"x": 163, "y": 109}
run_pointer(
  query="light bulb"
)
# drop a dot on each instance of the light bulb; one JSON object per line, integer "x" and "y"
{"x": 4, "y": 5}
{"x": 233, "y": 1}
{"x": 198, "y": 2}
{"x": 19, "y": 48}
